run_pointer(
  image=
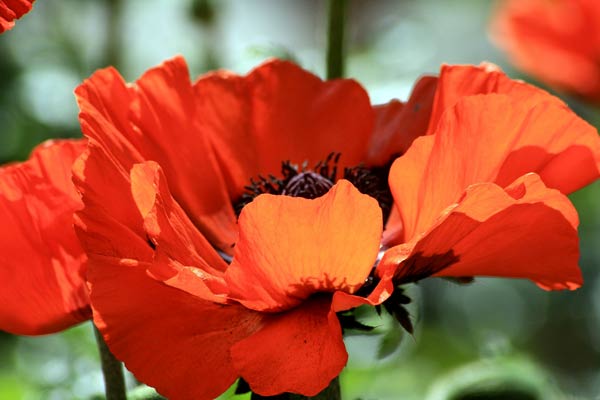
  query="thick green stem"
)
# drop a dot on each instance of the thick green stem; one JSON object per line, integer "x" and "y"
{"x": 331, "y": 392}
{"x": 335, "y": 39}
{"x": 112, "y": 369}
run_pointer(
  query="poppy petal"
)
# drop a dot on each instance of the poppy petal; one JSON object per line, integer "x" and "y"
{"x": 458, "y": 81}
{"x": 127, "y": 301}
{"x": 299, "y": 351}
{"x": 110, "y": 222}
{"x": 11, "y": 10}
{"x": 490, "y": 138}
{"x": 343, "y": 301}
{"x": 156, "y": 119}
{"x": 291, "y": 247}
{"x": 42, "y": 265}
{"x": 183, "y": 257}
{"x": 397, "y": 124}
{"x": 523, "y": 231}
{"x": 281, "y": 112}
{"x": 172, "y": 341}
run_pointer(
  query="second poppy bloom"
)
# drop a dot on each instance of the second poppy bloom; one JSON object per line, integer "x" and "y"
{"x": 557, "y": 42}
{"x": 42, "y": 265}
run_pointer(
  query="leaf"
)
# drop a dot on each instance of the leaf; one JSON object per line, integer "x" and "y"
{"x": 390, "y": 342}
{"x": 460, "y": 280}
{"x": 144, "y": 392}
{"x": 349, "y": 321}
{"x": 509, "y": 377}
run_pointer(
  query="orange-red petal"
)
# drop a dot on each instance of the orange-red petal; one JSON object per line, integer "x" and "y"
{"x": 523, "y": 231}
{"x": 183, "y": 257}
{"x": 110, "y": 222}
{"x": 299, "y": 351}
{"x": 42, "y": 265}
{"x": 343, "y": 301}
{"x": 11, "y": 10}
{"x": 491, "y": 138}
{"x": 397, "y": 124}
{"x": 458, "y": 81}
{"x": 171, "y": 340}
{"x": 290, "y": 248}
{"x": 157, "y": 119}
{"x": 281, "y": 112}
{"x": 147, "y": 321}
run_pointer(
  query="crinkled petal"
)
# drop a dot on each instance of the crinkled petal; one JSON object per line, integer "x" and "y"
{"x": 397, "y": 124}
{"x": 183, "y": 257}
{"x": 110, "y": 222}
{"x": 299, "y": 351}
{"x": 290, "y": 248}
{"x": 157, "y": 119}
{"x": 166, "y": 336}
{"x": 42, "y": 265}
{"x": 490, "y": 138}
{"x": 170, "y": 340}
{"x": 281, "y": 112}
{"x": 11, "y": 10}
{"x": 523, "y": 231}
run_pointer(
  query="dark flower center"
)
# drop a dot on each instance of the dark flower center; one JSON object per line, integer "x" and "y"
{"x": 310, "y": 183}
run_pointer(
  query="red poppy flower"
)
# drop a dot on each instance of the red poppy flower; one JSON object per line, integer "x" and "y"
{"x": 151, "y": 268}
{"x": 41, "y": 261}
{"x": 10, "y": 10}
{"x": 484, "y": 194}
{"x": 557, "y": 42}
{"x": 165, "y": 173}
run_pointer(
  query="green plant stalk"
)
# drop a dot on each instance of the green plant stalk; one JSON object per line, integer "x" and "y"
{"x": 335, "y": 39}
{"x": 113, "y": 39}
{"x": 112, "y": 370}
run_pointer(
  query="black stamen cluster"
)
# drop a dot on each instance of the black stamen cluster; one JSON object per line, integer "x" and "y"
{"x": 295, "y": 181}
{"x": 373, "y": 182}
{"x": 310, "y": 183}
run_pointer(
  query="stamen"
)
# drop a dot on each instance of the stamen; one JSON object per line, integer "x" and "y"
{"x": 308, "y": 185}
{"x": 295, "y": 181}
{"x": 373, "y": 182}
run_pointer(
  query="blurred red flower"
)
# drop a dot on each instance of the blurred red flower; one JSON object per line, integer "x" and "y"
{"x": 168, "y": 162}
{"x": 555, "y": 41}
{"x": 10, "y": 10}
{"x": 42, "y": 265}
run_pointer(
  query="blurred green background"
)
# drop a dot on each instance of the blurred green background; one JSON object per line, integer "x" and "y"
{"x": 494, "y": 339}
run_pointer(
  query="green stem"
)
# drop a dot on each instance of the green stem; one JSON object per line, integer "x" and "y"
{"x": 335, "y": 39}
{"x": 112, "y": 369}
{"x": 331, "y": 392}
{"x": 113, "y": 38}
